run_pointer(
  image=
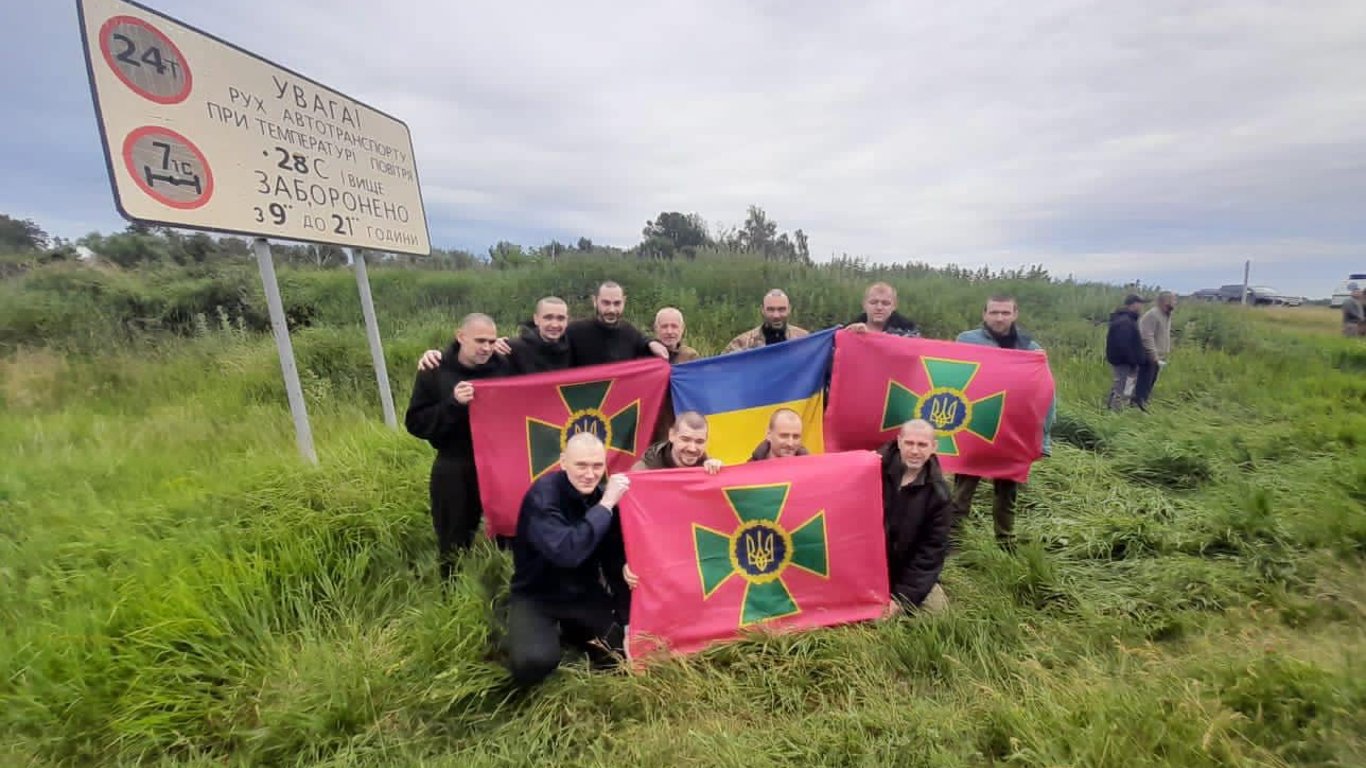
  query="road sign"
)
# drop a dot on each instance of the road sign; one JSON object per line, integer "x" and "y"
{"x": 201, "y": 134}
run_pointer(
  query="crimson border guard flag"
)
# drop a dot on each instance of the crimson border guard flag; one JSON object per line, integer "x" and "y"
{"x": 520, "y": 425}
{"x": 792, "y": 544}
{"x": 988, "y": 405}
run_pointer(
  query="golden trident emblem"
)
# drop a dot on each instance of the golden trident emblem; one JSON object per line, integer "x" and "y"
{"x": 943, "y": 412}
{"x": 759, "y": 549}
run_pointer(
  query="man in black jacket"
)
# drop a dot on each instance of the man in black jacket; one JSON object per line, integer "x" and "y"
{"x": 917, "y": 510}
{"x": 880, "y": 315}
{"x": 540, "y": 346}
{"x": 1124, "y": 351}
{"x": 439, "y": 413}
{"x": 608, "y": 338}
{"x": 568, "y": 561}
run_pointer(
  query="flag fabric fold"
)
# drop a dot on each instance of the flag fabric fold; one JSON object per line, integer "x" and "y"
{"x": 988, "y": 405}
{"x": 789, "y": 543}
{"x": 738, "y": 392}
{"x": 520, "y": 425}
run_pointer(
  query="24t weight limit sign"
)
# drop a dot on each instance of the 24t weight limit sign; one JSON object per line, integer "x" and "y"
{"x": 201, "y": 134}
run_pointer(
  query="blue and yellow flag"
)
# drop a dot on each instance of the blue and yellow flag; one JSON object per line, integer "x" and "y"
{"x": 740, "y": 391}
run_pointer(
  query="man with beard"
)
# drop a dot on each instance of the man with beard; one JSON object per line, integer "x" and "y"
{"x": 568, "y": 560}
{"x": 439, "y": 413}
{"x": 784, "y": 437}
{"x": 880, "y": 315}
{"x": 775, "y": 328}
{"x": 1155, "y": 328}
{"x": 1124, "y": 351}
{"x": 607, "y": 338}
{"x": 669, "y": 330}
{"x": 686, "y": 447}
{"x": 917, "y": 512}
{"x": 999, "y": 330}
{"x": 539, "y": 347}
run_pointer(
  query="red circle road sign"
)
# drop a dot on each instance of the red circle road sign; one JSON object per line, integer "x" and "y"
{"x": 145, "y": 59}
{"x": 168, "y": 167}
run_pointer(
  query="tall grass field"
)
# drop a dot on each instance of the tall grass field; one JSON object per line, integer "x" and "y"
{"x": 178, "y": 588}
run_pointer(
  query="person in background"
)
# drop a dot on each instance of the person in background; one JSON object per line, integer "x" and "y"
{"x": 1155, "y": 327}
{"x": 775, "y": 328}
{"x": 1353, "y": 312}
{"x": 669, "y": 329}
{"x": 880, "y": 315}
{"x": 539, "y": 347}
{"x": 608, "y": 337}
{"x": 1124, "y": 351}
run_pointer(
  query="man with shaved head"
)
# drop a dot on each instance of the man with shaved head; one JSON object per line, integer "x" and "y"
{"x": 775, "y": 328}
{"x": 686, "y": 447}
{"x": 917, "y": 509}
{"x": 880, "y": 315}
{"x": 540, "y": 345}
{"x": 608, "y": 337}
{"x": 439, "y": 413}
{"x": 784, "y": 437}
{"x": 669, "y": 330}
{"x": 568, "y": 566}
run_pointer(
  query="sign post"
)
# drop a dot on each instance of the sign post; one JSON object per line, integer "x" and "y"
{"x": 367, "y": 308}
{"x": 201, "y": 134}
{"x": 279, "y": 326}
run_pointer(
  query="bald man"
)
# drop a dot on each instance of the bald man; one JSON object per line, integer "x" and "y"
{"x": 784, "y": 437}
{"x": 775, "y": 328}
{"x": 568, "y": 565}
{"x": 439, "y": 412}
{"x": 669, "y": 330}
{"x": 917, "y": 509}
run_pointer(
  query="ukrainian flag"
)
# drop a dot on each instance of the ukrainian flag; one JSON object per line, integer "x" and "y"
{"x": 740, "y": 391}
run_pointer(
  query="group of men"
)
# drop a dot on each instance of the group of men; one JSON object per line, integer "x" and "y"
{"x": 571, "y": 580}
{"x": 1137, "y": 347}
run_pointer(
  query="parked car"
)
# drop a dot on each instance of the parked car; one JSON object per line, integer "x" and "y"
{"x": 1256, "y": 294}
{"x": 1340, "y": 295}
{"x": 1208, "y": 294}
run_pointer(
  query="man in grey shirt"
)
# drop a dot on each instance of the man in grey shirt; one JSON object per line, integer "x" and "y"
{"x": 1155, "y": 328}
{"x": 1353, "y": 315}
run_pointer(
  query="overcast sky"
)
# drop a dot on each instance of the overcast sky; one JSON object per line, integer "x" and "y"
{"x": 1161, "y": 140}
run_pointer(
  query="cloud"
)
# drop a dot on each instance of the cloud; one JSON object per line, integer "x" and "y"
{"x": 1084, "y": 135}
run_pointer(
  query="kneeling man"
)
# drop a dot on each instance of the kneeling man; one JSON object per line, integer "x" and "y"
{"x": 917, "y": 509}
{"x": 567, "y": 566}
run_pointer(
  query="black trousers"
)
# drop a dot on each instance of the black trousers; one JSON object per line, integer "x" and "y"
{"x": 456, "y": 508}
{"x": 538, "y": 630}
{"x": 1147, "y": 379}
{"x": 1004, "y": 493}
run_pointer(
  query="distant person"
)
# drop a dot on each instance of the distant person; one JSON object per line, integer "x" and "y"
{"x": 567, "y": 563}
{"x": 1155, "y": 327}
{"x": 608, "y": 338}
{"x": 439, "y": 412}
{"x": 669, "y": 329}
{"x": 998, "y": 329}
{"x": 784, "y": 437}
{"x": 1353, "y": 312}
{"x": 880, "y": 315}
{"x": 774, "y": 330}
{"x": 918, "y": 515}
{"x": 539, "y": 347}
{"x": 1124, "y": 351}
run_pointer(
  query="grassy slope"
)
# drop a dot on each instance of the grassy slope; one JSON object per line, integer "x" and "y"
{"x": 178, "y": 589}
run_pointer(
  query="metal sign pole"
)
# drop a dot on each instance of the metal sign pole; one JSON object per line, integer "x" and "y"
{"x": 303, "y": 434}
{"x": 367, "y": 306}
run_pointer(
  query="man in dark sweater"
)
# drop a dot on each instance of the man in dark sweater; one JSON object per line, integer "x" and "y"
{"x": 1124, "y": 351}
{"x": 540, "y": 345}
{"x": 917, "y": 510}
{"x": 880, "y": 315}
{"x": 439, "y": 413}
{"x": 568, "y": 561}
{"x": 608, "y": 338}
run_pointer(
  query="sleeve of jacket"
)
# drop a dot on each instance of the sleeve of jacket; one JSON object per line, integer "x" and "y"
{"x": 1052, "y": 413}
{"x": 642, "y": 345}
{"x": 1147, "y": 332}
{"x": 432, "y": 414}
{"x": 921, "y": 572}
{"x": 565, "y": 543}
{"x": 736, "y": 344}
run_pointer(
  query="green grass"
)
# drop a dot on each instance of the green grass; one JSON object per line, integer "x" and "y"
{"x": 177, "y": 588}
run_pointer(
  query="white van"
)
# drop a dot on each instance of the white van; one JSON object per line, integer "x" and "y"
{"x": 1340, "y": 295}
